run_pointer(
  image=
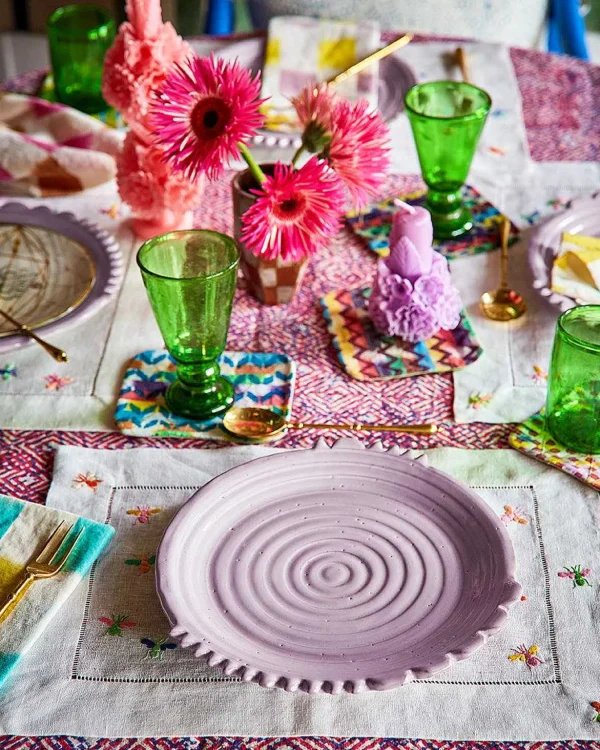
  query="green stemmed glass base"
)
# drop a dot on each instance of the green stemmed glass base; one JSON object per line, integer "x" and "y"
{"x": 200, "y": 400}
{"x": 450, "y": 218}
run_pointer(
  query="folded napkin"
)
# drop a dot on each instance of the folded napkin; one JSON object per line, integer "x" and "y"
{"x": 305, "y": 50}
{"x": 50, "y": 149}
{"x": 576, "y": 270}
{"x": 24, "y": 529}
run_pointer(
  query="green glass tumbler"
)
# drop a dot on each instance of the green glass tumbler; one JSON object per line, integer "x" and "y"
{"x": 447, "y": 118}
{"x": 79, "y": 37}
{"x": 190, "y": 278}
{"x": 573, "y": 402}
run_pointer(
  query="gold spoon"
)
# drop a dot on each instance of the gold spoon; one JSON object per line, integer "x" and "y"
{"x": 463, "y": 63}
{"x": 53, "y": 351}
{"x": 259, "y": 424}
{"x": 370, "y": 59}
{"x": 504, "y": 303}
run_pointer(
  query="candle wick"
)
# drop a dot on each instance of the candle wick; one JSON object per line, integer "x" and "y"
{"x": 406, "y": 206}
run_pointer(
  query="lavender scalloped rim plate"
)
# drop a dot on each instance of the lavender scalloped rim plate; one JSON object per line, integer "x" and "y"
{"x": 581, "y": 216}
{"x": 334, "y": 570}
{"x": 395, "y": 79}
{"x": 104, "y": 252}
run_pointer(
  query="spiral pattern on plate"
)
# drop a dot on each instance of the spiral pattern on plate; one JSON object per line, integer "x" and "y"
{"x": 322, "y": 570}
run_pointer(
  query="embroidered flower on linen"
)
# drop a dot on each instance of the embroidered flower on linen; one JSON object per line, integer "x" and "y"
{"x": 8, "y": 371}
{"x": 143, "y": 563}
{"x": 513, "y": 515}
{"x": 527, "y": 655}
{"x": 156, "y": 648}
{"x": 115, "y": 624}
{"x": 577, "y": 574}
{"x": 142, "y": 513}
{"x": 596, "y": 706}
{"x": 89, "y": 480}
{"x": 540, "y": 376}
{"x": 55, "y": 383}
{"x": 113, "y": 211}
{"x": 480, "y": 400}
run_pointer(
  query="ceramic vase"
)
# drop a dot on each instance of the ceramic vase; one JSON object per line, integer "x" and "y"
{"x": 272, "y": 282}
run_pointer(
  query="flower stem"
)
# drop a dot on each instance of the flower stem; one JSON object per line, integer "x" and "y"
{"x": 256, "y": 171}
{"x": 297, "y": 155}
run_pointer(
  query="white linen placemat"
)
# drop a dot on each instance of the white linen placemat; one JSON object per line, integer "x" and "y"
{"x": 508, "y": 382}
{"x": 92, "y": 655}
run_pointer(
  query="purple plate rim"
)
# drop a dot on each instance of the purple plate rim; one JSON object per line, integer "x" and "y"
{"x": 103, "y": 248}
{"x": 542, "y": 249}
{"x": 230, "y": 665}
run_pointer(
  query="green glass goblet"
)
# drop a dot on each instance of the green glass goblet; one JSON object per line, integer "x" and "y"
{"x": 447, "y": 118}
{"x": 79, "y": 37}
{"x": 190, "y": 278}
{"x": 573, "y": 402}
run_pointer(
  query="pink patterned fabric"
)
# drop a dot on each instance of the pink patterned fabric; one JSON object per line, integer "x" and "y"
{"x": 322, "y": 390}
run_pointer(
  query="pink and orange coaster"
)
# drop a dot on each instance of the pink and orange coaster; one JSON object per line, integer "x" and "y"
{"x": 367, "y": 354}
{"x": 532, "y": 439}
{"x": 260, "y": 379}
{"x": 373, "y": 225}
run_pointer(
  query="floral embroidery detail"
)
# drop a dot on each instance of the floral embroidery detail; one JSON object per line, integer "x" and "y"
{"x": 596, "y": 706}
{"x": 531, "y": 218}
{"x": 577, "y": 574}
{"x": 89, "y": 479}
{"x": 114, "y": 211}
{"x": 479, "y": 400}
{"x": 142, "y": 513}
{"x": 55, "y": 382}
{"x": 8, "y": 371}
{"x": 557, "y": 203}
{"x": 157, "y": 648}
{"x": 498, "y": 112}
{"x": 144, "y": 563}
{"x": 513, "y": 515}
{"x": 527, "y": 655}
{"x": 497, "y": 151}
{"x": 523, "y": 598}
{"x": 115, "y": 624}
{"x": 540, "y": 376}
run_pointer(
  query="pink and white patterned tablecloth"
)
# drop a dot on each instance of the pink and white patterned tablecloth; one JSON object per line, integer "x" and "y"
{"x": 561, "y": 106}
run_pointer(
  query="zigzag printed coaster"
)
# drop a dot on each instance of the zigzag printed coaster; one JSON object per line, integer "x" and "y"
{"x": 259, "y": 379}
{"x": 532, "y": 439}
{"x": 373, "y": 225}
{"x": 367, "y": 354}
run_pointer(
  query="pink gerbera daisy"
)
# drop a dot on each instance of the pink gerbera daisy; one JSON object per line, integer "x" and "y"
{"x": 315, "y": 103}
{"x": 296, "y": 211}
{"x": 359, "y": 149}
{"x": 202, "y": 111}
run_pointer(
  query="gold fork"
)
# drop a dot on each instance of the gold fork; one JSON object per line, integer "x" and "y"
{"x": 44, "y": 566}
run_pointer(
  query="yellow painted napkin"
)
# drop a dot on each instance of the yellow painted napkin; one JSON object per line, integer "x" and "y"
{"x": 576, "y": 270}
{"x": 306, "y": 50}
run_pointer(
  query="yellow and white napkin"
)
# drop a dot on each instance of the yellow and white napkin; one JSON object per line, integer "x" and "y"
{"x": 576, "y": 270}
{"x": 306, "y": 50}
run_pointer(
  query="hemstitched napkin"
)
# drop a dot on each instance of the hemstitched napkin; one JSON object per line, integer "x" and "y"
{"x": 24, "y": 530}
{"x": 508, "y": 383}
{"x": 110, "y": 646}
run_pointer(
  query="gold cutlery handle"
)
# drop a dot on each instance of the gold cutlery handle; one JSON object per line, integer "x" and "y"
{"x": 504, "y": 236}
{"x": 370, "y": 59}
{"x": 57, "y": 354}
{"x": 15, "y": 595}
{"x": 414, "y": 429}
{"x": 463, "y": 64}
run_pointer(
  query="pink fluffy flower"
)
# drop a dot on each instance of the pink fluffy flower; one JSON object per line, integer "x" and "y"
{"x": 138, "y": 62}
{"x": 359, "y": 149}
{"x": 147, "y": 184}
{"x": 296, "y": 211}
{"x": 315, "y": 104}
{"x": 202, "y": 112}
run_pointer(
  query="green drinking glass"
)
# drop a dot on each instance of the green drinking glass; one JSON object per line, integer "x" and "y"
{"x": 447, "y": 118}
{"x": 190, "y": 278}
{"x": 79, "y": 37}
{"x": 573, "y": 402}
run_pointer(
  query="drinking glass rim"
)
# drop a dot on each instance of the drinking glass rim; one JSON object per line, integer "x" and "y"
{"x": 467, "y": 116}
{"x": 575, "y": 340}
{"x": 108, "y": 22}
{"x": 173, "y": 235}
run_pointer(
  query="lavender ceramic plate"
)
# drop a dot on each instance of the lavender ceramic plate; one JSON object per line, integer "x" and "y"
{"x": 55, "y": 269}
{"x": 395, "y": 78}
{"x": 582, "y": 216}
{"x": 333, "y": 570}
